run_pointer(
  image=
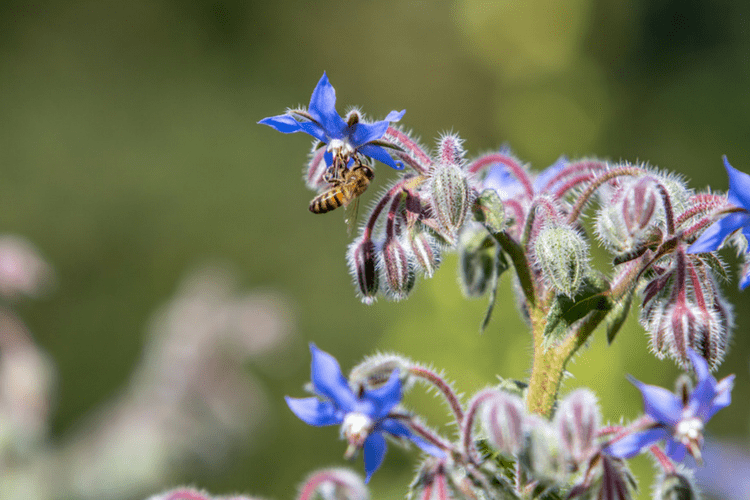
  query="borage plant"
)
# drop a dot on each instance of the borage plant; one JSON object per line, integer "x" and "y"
{"x": 524, "y": 439}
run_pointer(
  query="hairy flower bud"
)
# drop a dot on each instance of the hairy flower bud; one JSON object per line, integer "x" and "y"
{"x": 577, "y": 419}
{"x": 676, "y": 485}
{"x": 476, "y": 260}
{"x": 563, "y": 257}
{"x": 426, "y": 251}
{"x": 542, "y": 454}
{"x": 363, "y": 266}
{"x": 334, "y": 484}
{"x": 683, "y": 308}
{"x": 489, "y": 210}
{"x": 398, "y": 269}
{"x": 503, "y": 418}
{"x": 375, "y": 370}
{"x": 451, "y": 198}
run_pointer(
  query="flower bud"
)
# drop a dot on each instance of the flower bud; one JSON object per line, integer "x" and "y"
{"x": 503, "y": 418}
{"x": 375, "y": 370}
{"x": 426, "y": 251}
{"x": 451, "y": 198}
{"x": 334, "y": 484}
{"x": 638, "y": 206}
{"x": 542, "y": 454}
{"x": 476, "y": 260}
{"x": 363, "y": 266}
{"x": 676, "y": 485}
{"x": 683, "y": 309}
{"x": 577, "y": 419}
{"x": 563, "y": 257}
{"x": 397, "y": 269}
{"x": 489, "y": 210}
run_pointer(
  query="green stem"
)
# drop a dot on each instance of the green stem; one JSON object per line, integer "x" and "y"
{"x": 549, "y": 363}
{"x": 518, "y": 257}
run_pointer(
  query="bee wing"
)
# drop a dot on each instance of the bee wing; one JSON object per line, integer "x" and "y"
{"x": 350, "y": 215}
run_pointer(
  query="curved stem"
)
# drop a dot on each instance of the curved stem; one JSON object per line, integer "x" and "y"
{"x": 596, "y": 184}
{"x": 445, "y": 389}
{"x": 468, "y": 423}
{"x": 518, "y": 172}
{"x": 520, "y": 263}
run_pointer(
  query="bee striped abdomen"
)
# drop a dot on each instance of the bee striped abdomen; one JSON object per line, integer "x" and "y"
{"x": 330, "y": 200}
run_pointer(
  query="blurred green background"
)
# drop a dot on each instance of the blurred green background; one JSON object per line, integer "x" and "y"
{"x": 129, "y": 154}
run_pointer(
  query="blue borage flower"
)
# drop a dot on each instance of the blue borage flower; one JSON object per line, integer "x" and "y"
{"x": 322, "y": 121}
{"x": 364, "y": 418}
{"x": 681, "y": 426}
{"x": 736, "y": 220}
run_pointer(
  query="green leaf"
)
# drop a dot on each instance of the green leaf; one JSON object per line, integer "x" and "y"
{"x": 564, "y": 311}
{"x": 501, "y": 265}
{"x": 617, "y": 316}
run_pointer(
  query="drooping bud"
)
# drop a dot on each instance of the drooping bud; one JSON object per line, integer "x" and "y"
{"x": 451, "y": 198}
{"x": 683, "y": 308}
{"x": 542, "y": 454}
{"x": 477, "y": 252}
{"x": 563, "y": 257}
{"x": 634, "y": 217}
{"x": 426, "y": 251}
{"x": 675, "y": 485}
{"x": 577, "y": 419}
{"x": 363, "y": 266}
{"x": 375, "y": 370}
{"x": 334, "y": 484}
{"x": 398, "y": 269}
{"x": 489, "y": 210}
{"x": 638, "y": 206}
{"x": 502, "y": 418}
{"x": 433, "y": 482}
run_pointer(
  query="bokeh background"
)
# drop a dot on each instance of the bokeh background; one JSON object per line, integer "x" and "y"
{"x": 131, "y": 159}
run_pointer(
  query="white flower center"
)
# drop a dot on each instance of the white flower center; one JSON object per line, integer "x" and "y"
{"x": 689, "y": 429}
{"x": 340, "y": 148}
{"x": 356, "y": 428}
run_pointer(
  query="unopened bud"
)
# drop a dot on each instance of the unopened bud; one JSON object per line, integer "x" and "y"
{"x": 676, "y": 485}
{"x": 563, "y": 257}
{"x": 363, "y": 266}
{"x": 638, "y": 206}
{"x": 375, "y": 371}
{"x": 489, "y": 210}
{"x": 542, "y": 454}
{"x": 451, "y": 198}
{"x": 476, "y": 260}
{"x": 397, "y": 269}
{"x": 503, "y": 419}
{"x": 698, "y": 317}
{"x": 334, "y": 484}
{"x": 577, "y": 419}
{"x": 426, "y": 251}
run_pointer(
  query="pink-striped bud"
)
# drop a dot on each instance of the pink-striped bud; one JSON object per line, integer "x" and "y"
{"x": 683, "y": 308}
{"x": 577, "y": 419}
{"x": 334, "y": 484}
{"x": 363, "y": 266}
{"x": 426, "y": 251}
{"x": 503, "y": 418}
{"x": 398, "y": 270}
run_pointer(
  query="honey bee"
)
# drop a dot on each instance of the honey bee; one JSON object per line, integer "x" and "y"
{"x": 346, "y": 185}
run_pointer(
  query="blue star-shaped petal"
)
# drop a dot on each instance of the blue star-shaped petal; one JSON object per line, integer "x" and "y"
{"x": 680, "y": 425}
{"x": 365, "y": 418}
{"x": 323, "y": 122}
{"x": 738, "y": 219}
